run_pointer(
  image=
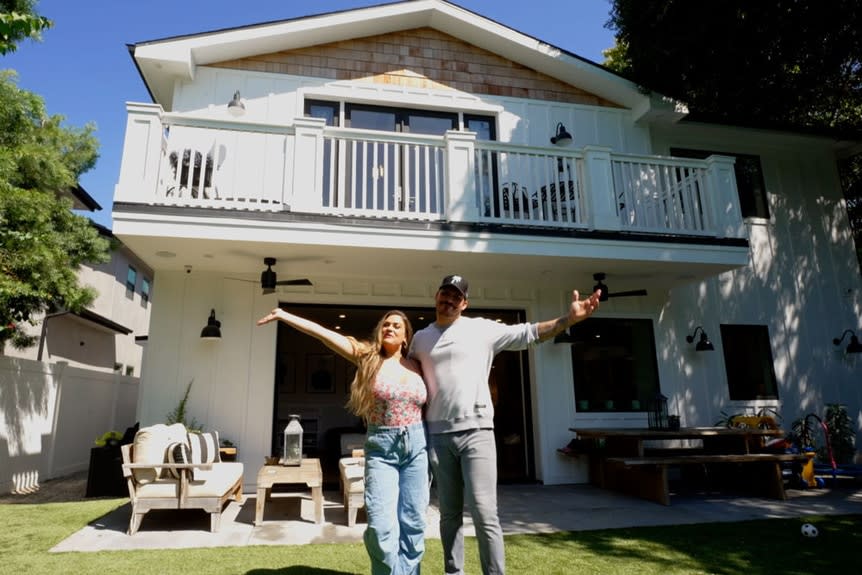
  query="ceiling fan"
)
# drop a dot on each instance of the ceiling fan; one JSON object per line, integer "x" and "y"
{"x": 269, "y": 279}
{"x": 606, "y": 293}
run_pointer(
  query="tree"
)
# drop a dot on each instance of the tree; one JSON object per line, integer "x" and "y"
{"x": 782, "y": 63}
{"x": 18, "y": 21}
{"x": 42, "y": 242}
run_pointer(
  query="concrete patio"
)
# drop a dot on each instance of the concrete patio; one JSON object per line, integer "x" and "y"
{"x": 288, "y": 518}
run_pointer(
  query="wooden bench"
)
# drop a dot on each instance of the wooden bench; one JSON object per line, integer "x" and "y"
{"x": 647, "y": 476}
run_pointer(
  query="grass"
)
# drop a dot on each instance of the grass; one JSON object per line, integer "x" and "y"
{"x": 753, "y": 547}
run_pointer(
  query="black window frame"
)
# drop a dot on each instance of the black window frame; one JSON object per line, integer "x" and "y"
{"x": 748, "y": 362}
{"x": 638, "y": 385}
{"x": 750, "y": 183}
{"x": 145, "y": 290}
{"x": 131, "y": 280}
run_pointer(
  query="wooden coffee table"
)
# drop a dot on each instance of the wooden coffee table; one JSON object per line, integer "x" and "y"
{"x": 308, "y": 473}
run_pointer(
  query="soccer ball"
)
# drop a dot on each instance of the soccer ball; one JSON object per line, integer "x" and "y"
{"x": 808, "y": 530}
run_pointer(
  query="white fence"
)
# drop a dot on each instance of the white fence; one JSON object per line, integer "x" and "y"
{"x": 50, "y": 415}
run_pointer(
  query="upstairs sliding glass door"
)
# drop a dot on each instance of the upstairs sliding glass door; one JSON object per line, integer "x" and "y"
{"x": 384, "y": 172}
{"x": 401, "y": 176}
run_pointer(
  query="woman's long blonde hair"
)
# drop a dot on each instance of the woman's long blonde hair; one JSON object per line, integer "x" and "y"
{"x": 369, "y": 358}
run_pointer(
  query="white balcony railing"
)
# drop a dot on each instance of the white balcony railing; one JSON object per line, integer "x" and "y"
{"x": 311, "y": 168}
{"x": 382, "y": 175}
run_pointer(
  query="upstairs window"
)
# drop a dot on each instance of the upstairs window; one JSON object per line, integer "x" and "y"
{"x": 748, "y": 362}
{"x": 749, "y": 179}
{"x": 145, "y": 291}
{"x": 614, "y": 364}
{"x": 131, "y": 281}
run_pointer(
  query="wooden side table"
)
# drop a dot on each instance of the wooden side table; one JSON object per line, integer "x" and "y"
{"x": 308, "y": 473}
{"x": 227, "y": 453}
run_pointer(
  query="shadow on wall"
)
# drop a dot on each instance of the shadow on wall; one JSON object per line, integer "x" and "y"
{"x": 25, "y": 399}
{"x": 44, "y": 434}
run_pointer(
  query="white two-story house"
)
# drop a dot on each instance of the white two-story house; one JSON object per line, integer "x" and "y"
{"x": 371, "y": 152}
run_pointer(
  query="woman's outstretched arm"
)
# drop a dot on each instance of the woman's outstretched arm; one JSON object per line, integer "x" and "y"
{"x": 331, "y": 339}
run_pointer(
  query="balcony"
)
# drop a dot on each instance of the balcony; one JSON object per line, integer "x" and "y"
{"x": 309, "y": 168}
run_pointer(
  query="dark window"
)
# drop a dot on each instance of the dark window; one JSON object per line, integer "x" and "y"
{"x": 145, "y": 291}
{"x": 400, "y": 119}
{"x": 749, "y": 180}
{"x": 131, "y": 280}
{"x": 388, "y": 175}
{"x": 614, "y": 364}
{"x": 321, "y": 109}
{"x": 748, "y": 362}
{"x": 486, "y": 162}
{"x": 329, "y": 112}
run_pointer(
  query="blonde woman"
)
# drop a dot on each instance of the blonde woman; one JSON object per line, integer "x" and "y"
{"x": 388, "y": 392}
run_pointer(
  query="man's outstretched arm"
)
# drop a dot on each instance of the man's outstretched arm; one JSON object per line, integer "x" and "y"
{"x": 580, "y": 310}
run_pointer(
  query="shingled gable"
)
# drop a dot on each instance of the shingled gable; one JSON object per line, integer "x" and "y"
{"x": 553, "y": 70}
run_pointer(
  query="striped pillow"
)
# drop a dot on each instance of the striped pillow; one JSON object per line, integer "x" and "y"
{"x": 177, "y": 452}
{"x": 204, "y": 447}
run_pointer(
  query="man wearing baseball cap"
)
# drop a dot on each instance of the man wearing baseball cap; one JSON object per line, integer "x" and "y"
{"x": 456, "y": 354}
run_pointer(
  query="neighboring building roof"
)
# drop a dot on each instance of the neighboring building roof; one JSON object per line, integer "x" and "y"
{"x": 102, "y": 321}
{"x": 82, "y": 200}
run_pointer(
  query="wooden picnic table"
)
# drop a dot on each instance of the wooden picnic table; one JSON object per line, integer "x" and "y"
{"x": 620, "y": 459}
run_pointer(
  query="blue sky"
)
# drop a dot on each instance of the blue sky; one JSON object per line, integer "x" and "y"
{"x": 83, "y": 71}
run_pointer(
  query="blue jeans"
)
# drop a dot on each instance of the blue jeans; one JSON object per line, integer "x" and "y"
{"x": 396, "y": 498}
{"x": 465, "y": 469}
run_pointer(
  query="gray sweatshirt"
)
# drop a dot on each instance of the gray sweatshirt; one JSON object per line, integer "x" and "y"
{"x": 456, "y": 362}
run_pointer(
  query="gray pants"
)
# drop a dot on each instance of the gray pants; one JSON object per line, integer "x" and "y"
{"x": 465, "y": 471}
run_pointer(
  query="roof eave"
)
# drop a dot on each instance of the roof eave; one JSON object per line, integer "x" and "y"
{"x": 162, "y": 62}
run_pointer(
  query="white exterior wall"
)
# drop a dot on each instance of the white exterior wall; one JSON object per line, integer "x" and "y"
{"x": 803, "y": 282}
{"x": 277, "y": 99}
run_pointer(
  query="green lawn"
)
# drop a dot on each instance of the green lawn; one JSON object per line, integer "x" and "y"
{"x": 771, "y": 547}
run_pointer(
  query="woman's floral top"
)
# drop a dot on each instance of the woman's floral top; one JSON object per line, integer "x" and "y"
{"x": 398, "y": 398}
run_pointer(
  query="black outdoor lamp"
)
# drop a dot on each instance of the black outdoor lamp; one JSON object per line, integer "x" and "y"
{"x": 563, "y": 138}
{"x": 703, "y": 343}
{"x": 854, "y": 346}
{"x": 212, "y": 330}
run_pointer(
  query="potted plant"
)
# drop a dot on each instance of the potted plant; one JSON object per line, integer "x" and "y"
{"x": 841, "y": 434}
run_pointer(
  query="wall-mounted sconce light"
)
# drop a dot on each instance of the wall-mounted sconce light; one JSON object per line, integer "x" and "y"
{"x": 212, "y": 330}
{"x": 703, "y": 343}
{"x": 854, "y": 346}
{"x": 235, "y": 106}
{"x": 563, "y": 138}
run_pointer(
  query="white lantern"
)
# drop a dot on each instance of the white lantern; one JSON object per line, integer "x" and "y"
{"x": 292, "y": 454}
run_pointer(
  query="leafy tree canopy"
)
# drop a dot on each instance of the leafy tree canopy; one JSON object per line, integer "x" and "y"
{"x": 42, "y": 242}
{"x": 782, "y": 62}
{"x": 18, "y": 21}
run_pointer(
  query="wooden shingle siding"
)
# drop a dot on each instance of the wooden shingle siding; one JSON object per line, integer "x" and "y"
{"x": 420, "y": 58}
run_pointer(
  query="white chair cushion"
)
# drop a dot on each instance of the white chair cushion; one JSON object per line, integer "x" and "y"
{"x": 215, "y": 483}
{"x": 150, "y": 446}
